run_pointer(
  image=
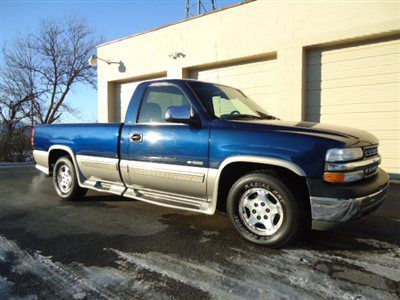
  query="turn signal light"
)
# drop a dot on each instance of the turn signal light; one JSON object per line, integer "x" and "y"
{"x": 343, "y": 177}
{"x": 334, "y": 177}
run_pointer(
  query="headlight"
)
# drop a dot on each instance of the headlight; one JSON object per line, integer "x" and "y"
{"x": 345, "y": 154}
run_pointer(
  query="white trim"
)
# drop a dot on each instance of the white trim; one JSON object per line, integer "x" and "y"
{"x": 212, "y": 176}
{"x": 98, "y": 162}
{"x": 41, "y": 158}
{"x": 178, "y": 172}
{"x": 97, "y": 159}
{"x": 43, "y": 169}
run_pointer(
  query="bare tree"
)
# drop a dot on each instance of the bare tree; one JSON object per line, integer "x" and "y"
{"x": 39, "y": 70}
{"x": 57, "y": 58}
{"x": 16, "y": 97}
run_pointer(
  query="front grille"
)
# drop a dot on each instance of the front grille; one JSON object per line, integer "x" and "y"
{"x": 370, "y": 151}
{"x": 370, "y": 170}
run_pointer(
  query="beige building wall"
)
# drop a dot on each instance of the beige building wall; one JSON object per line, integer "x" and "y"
{"x": 277, "y": 40}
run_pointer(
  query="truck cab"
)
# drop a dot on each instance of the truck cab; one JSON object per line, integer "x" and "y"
{"x": 200, "y": 146}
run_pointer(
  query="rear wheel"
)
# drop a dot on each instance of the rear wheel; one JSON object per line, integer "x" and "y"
{"x": 65, "y": 180}
{"x": 263, "y": 210}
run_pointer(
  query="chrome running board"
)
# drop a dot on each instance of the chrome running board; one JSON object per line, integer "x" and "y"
{"x": 167, "y": 199}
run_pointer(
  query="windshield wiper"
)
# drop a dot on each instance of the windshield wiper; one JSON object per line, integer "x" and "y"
{"x": 239, "y": 117}
{"x": 269, "y": 117}
{"x": 264, "y": 116}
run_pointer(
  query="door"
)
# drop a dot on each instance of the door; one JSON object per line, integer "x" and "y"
{"x": 167, "y": 157}
{"x": 358, "y": 85}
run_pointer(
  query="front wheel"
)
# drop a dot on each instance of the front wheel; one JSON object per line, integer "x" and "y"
{"x": 65, "y": 180}
{"x": 263, "y": 210}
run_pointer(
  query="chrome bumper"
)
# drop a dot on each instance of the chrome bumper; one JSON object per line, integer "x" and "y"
{"x": 329, "y": 212}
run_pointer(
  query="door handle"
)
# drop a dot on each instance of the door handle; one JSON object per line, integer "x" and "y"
{"x": 137, "y": 137}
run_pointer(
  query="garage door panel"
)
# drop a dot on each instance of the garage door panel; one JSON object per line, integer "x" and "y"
{"x": 268, "y": 103}
{"x": 354, "y": 53}
{"x": 249, "y": 77}
{"x": 358, "y": 86}
{"x": 246, "y": 69}
{"x": 366, "y": 65}
{"x": 383, "y": 121}
{"x": 387, "y": 167}
{"x": 257, "y": 80}
{"x": 362, "y": 80}
{"x": 258, "y": 90}
{"x": 245, "y": 80}
{"x": 340, "y": 73}
{"x": 361, "y": 94}
{"x": 357, "y": 49}
{"x": 387, "y": 134}
{"x": 265, "y": 98}
{"x": 243, "y": 68}
{"x": 354, "y": 123}
{"x": 351, "y": 108}
{"x": 247, "y": 84}
{"x": 389, "y": 148}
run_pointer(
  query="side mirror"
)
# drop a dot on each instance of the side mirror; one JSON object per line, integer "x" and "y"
{"x": 180, "y": 114}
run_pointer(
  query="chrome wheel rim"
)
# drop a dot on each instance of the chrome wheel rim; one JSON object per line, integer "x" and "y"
{"x": 261, "y": 211}
{"x": 64, "y": 179}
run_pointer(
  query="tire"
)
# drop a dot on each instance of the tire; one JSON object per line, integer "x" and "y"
{"x": 264, "y": 211}
{"x": 65, "y": 180}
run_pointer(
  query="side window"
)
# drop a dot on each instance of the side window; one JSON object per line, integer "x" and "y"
{"x": 157, "y": 100}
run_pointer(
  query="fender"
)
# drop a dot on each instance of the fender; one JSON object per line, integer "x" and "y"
{"x": 214, "y": 174}
{"x": 72, "y": 154}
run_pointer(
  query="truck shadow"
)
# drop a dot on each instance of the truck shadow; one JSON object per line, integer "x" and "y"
{"x": 104, "y": 198}
{"x": 380, "y": 230}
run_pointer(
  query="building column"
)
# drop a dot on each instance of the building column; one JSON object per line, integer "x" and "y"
{"x": 290, "y": 82}
{"x": 106, "y": 100}
{"x": 177, "y": 72}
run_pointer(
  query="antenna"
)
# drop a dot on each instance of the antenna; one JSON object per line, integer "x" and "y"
{"x": 199, "y": 7}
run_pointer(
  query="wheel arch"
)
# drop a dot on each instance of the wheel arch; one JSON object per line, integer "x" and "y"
{"x": 57, "y": 151}
{"x": 235, "y": 167}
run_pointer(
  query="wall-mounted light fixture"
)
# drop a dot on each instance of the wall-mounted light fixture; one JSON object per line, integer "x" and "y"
{"x": 176, "y": 55}
{"x": 93, "y": 62}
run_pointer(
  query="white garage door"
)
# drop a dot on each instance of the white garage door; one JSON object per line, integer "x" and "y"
{"x": 123, "y": 95}
{"x": 359, "y": 86}
{"x": 256, "y": 79}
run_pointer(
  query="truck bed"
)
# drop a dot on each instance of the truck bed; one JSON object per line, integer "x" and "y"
{"x": 98, "y": 139}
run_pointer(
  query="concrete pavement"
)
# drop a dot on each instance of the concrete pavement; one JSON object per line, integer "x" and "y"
{"x": 115, "y": 248}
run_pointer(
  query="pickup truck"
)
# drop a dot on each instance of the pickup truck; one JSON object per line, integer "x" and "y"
{"x": 201, "y": 146}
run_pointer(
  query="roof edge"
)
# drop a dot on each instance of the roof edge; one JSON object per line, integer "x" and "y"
{"x": 175, "y": 23}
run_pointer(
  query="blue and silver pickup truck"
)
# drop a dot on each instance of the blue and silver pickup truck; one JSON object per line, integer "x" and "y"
{"x": 200, "y": 146}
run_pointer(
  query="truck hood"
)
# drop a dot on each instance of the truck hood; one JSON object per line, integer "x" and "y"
{"x": 352, "y": 137}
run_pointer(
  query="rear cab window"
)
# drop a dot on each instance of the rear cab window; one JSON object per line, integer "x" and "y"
{"x": 156, "y": 101}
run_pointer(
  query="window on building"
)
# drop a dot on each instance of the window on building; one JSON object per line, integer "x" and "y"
{"x": 156, "y": 101}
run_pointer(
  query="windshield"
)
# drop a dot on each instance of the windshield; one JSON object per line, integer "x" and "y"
{"x": 224, "y": 102}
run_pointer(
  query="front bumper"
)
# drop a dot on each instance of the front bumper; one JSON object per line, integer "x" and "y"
{"x": 332, "y": 205}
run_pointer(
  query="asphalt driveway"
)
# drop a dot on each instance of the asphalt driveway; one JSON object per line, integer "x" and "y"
{"x": 111, "y": 247}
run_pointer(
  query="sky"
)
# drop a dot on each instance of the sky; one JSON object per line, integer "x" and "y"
{"x": 111, "y": 19}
